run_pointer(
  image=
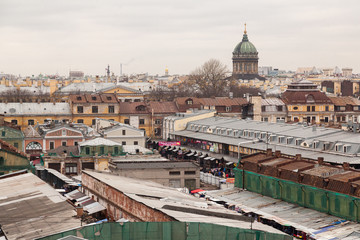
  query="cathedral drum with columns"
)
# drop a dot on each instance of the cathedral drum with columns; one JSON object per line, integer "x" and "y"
{"x": 245, "y": 60}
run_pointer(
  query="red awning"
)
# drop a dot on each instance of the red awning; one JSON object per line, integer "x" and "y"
{"x": 197, "y": 190}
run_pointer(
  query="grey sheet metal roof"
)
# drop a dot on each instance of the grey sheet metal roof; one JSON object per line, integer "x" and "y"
{"x": 30, "y": 208}
{"x": 340, "y": 146}
{"x": 304, "y": 219}
{"x": 85, "y": 87}
{"x": 15, "y": 109}
{"x": 156, "y": 196}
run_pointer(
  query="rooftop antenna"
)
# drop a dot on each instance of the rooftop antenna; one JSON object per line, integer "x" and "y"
{"x": 108, "y": 71}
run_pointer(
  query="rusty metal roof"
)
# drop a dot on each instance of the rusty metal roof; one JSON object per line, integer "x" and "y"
{"x": 343, "y": 101}
{"x": 300, "y": 97}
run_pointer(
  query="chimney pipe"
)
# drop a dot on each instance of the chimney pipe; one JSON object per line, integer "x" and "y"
{"x": 268, "y": 152}
{"x": 346, "y": 166}
{"x": 277, "y": 153}
{"x": 79, "y": 211}
{"x": 298, "y": 157}
{"x": 320, "y": 160}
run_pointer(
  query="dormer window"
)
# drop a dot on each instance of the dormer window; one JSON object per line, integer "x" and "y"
{"x": 108, "y": 98}
{"x": 141, "y": 108}
{"x": 189, "y": 101}
{"x": 93, "y": 98}
{"x": 78, "y": 98}
{"x": 310, "y": 98}
{"x": 346, "y": 148}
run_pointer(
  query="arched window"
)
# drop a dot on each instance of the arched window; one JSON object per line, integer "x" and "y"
{"x": 34, "y": 146}
{"x": 310, "y": 98}
{"x": 189, "y": 101}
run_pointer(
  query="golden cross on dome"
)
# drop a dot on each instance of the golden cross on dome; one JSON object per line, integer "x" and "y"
{"x": 245, "y": 29}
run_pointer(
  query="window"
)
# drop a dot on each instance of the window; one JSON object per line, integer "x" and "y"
{"x": 111, "y": 109}
{"x": 136, "y": 143}
{"x": 295, "y": 108}
{"x": 63, "y": 143}
{"x": 228, "y": 109}
{"x": 174, "y": 173}
{"x": 108, "y": 98}
{"x": 2, "y": 161}
{"x": 80, "y": 120}
{"x": 102, "y": 150}
{"x": 326, "y": 108}
{"x": 346, "y": 148}
{"x": 308, "y": 108}
{"x": 52, "y": 145}
{"x": 141, "y": 121}
{"x": 123, "y": 143}
{"x": 263, "y": 108}
{"x": 93, "y": 98}
{"x": 70, "y": 168}
{"x": 127, "y": 121}
{"x": 76, "y": 143}
{"x": 123, "y": 132}
{"x": 189, "y": 101}
{"x": 87, "y": 150}
{"x": 14, "y": 121}
{"x": 279, "y": 108}
{"x": 310, "y": 99}
{"x": 116, "y": 150}
{"x": 157, "y": 121}
{"x": 63, "y": 132}
{"x": 16, "y": 145}
{"x": 93, "y": 122}
{"x": 30, "y": 122}
{"x": 94, "y": 109}
{"x": 141, "y": 108}
{"x": 313, "y": 108}
{"x": 3, "y": 133}
{"x": 189, "y": 172}
{"x": 78, "y": 98}
{"x": 80, "y": 109}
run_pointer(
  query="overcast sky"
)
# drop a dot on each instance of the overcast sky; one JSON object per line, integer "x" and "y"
{"x": 42, "y": 36}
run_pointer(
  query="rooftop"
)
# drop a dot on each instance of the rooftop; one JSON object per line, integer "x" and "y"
{"x": 30, "y": 208}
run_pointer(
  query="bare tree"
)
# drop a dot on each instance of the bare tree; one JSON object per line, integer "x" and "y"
{"x": 209, "y": 80}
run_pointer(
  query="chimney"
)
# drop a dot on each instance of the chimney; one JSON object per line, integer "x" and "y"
{"x": 346, "y": 166}
{"x": 320, "y": 160}
{"x": 298, "y": 157}
{"x": 79, "y": 211}
{"x": 277, "y": 153}
{"x": 269, "y": 152}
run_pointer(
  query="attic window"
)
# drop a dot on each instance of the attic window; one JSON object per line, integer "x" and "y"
{"x": 108, "y": 98}
{"x": 78, "y": 98}
{"x": 140, "y": 108}
{"x": 189, "y": 101}
{"x": 346, "y": 148}
{"x": 93, "y": 98}
{"x": 310, "y": 99}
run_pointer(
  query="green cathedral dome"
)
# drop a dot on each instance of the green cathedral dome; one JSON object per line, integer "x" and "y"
{"x": 245, "y": 47}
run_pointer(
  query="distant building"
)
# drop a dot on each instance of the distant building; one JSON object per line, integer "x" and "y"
{"x": 305, "y": 103}
{"x": 76, "y": 74}
{"x": 177, "y": 174}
